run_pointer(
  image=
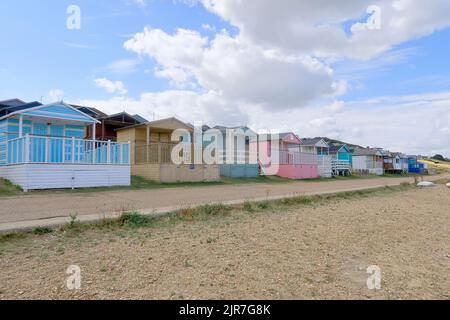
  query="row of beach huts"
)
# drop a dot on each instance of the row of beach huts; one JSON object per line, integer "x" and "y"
{"x": 59, "y": 145}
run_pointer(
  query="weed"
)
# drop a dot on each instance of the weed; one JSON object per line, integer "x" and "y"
{"x": 248, "y": 207}
{"x": 263, "y": 205}
{"x": 136, "y": 220}
{"x": 212, "y": 210}
{"x": 5, "y": 237}
{"x": 73, "y": 220}
{"x": 42, "y": 230}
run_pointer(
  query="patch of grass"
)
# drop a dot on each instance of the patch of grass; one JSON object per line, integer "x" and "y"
{"x": 139, "y": 183}
{"x": 263, "y": 205}
{"x": 9, "y": 189}
{"x": 212, "y": 210}
{"x": 42, "y": 230}
{"x": 136, "y": 220}
{"x": 129, "y": 221}
{"x": 301, "y": 200}
{"x": 5, "y": 237}
{"x": 248, "y": 207}
{"x": 260, "y": 179}
{"x": 73, "y": 221}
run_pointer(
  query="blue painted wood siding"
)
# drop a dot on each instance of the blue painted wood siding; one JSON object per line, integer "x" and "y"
{"x": 59, "y": 112}
{"x": 9, "y": 130}
{"x": 346, "y": 156}
{"x": 3, "y": 141}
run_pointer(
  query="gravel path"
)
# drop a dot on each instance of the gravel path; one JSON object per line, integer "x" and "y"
{"x": 40, "y": 207}
{"x": 306, "y": 252}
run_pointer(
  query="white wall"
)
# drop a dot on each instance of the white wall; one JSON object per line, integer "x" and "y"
{"x": 365, "y": 164}
{"x": 60, "y": 176}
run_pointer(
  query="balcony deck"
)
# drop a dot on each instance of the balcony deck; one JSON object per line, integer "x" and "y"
{"x": 46, "y": 162}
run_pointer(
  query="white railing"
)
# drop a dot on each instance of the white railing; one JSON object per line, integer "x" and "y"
{"x": 44, "y": 149}
{"x": 340, "y": 165}
{"x": 238, "y": 157}
{"x": 297, "y": 158}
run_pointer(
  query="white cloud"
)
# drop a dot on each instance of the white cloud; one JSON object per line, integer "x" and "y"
{"x": 209, "y": 27}
{"x": 316, "y": 27}
{"x": 55, "y": 95}
{"x": 111, "y": 86}
{"x": 140, "y": 3}
{"x": 238, "y": 71}
{"x": 278, "y": 72}
{"x": 417, "y": 124}
{"x": 124, "y": 66}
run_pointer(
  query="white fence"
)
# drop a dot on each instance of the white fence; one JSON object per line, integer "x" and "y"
{"x": 44, "y": 149}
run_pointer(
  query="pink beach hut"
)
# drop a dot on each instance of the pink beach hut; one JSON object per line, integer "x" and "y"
{"x": 280, "y": 155}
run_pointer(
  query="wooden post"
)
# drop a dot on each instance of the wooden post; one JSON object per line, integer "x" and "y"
{"x": 73, "y": 149}
{"x": 20, "y": 126}
{"x": 93, "y": 143}
{"x": 159, "y": 153}
{"x": 46, "y": 149}
{"x": 63, "y": 150}
{"x": 27, "y": 148}
{"x": 108, "y": 156}
{"x": 129, "y": 152}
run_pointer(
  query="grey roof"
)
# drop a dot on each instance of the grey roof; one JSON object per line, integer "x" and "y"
{"x": 8, "y": 110}
{"x": 386, "y": 153}
{"x": 336, "y": 147}
{"x": 268, "y": 136}
{"x": 90, "y": 111}
{"x": 12, "y": 102}
{"x": 399, "y": 154}
{"x": 310, "y": 142}
{"x": 366, "y": 152}
{"x": 140, "y": 118}
{"x": 285, "y": 134}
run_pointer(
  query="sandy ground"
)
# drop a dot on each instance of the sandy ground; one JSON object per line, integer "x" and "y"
{"x": 306, "y": 252}
{"x": 38, "y": 207}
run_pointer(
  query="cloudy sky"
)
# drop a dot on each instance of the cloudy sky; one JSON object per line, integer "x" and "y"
{"x": 374, "y": 73}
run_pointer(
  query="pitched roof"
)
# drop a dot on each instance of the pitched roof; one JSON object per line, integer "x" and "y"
{"x": 311, "y": 142}
{"x": 12, "y": 102}
{"x": 8, "y": 110}
{"x": 223, "y": 128}
{"x": 93, "y": 112}
{"x": 139, "y": 118}
{"x": 281, "y": 136}
{"x": 367, "y": 152}
{"x": 334, "y": 148}
{"x": 37, "y": 107}
{"x": 160, "y": 124}
{"x": 400, "y": 154}
{"x": 386, "y": 153}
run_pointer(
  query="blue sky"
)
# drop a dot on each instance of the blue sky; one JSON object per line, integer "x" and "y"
{"x": 43, "y": 54}
{"x": 40, "y": 54}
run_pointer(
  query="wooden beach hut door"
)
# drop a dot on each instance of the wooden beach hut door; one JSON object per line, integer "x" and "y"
{"x": 56, "y": 145}
{"x": 38, "y": 151}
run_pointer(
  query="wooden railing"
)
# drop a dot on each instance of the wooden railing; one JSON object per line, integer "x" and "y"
{"x": 157, "y": 153}
{"x": 297, "y": 158}
{"x": 341, "y": 165}
{"x": 45, "y": 149}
